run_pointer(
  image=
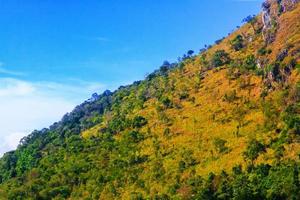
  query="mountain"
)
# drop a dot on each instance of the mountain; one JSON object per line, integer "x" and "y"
{"x": 222, "y": 124}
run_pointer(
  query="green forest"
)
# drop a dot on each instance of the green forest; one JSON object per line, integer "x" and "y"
{"x": 223, "y": 123}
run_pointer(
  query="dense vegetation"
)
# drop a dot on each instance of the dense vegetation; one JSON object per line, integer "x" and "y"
{"x": 223, "y": 124}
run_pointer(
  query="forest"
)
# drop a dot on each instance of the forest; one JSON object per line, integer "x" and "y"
{"x": 223, "y": 123}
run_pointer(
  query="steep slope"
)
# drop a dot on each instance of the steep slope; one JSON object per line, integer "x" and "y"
{"x": 219, "y": 125}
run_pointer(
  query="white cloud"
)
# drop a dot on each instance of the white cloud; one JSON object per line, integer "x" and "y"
{"x": 9, "y": 72}
{"x": 26, "y": 106}
{"x": 10, "y": 141}
{"x": 14, "y": 87}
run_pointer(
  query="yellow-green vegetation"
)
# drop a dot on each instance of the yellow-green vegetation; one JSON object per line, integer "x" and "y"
{"x": 224, "y": 124}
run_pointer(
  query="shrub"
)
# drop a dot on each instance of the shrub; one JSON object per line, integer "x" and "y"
{"x": 220, "y": 58}
{"x": 237, "y": 43}
{"x": 167, "y": 132}
{"x": 280, "y": 7}
{"x": 253, "y": 150}
{"x": 138, "y": 122}
{"x": 230, "y": 96}
{"x": 133, "y": 136}
{"x": 250, "y": 62}
{"x": 244, "y": 81}
{"x": 164, "y": 68}
{"x": 118, "y": 124}
{"x": 187, "y": 161}
{"x": 136, "y": 196}
{"x": 183, "y": 95}
{"x": 203, "y": 60}
{"x": 237, "y": 170}
{"x": 263, "y": 51}
{"x": 238, "y": 115}
{"x": 291, "y": 118}
{"x": 181, "y": 166}
{"x": 26, "y": 160}
{"x": 219, "y": 40}
{"x": 270, "y": 115}
{"x": 252, "y": 20}
{"x": 167, "y": 103}
{"x": 279, "y": 152}
{"x": 190, "y": 53}
{"x": 192, "y": 99}
{"x": 248, "y": 19}
{"x": 220, "y": 145}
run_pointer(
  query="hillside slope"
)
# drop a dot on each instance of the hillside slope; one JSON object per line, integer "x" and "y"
{"x": 223, "y": 124}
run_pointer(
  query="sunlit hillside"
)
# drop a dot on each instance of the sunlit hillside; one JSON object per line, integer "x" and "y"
{"x": 221, "y": 124}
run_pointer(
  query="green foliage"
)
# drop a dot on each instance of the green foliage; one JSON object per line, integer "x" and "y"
{"x": 183, "y": 95}
{"x": 133, "y": 136}
{"x": 138, "y": 122}
{"x": 291, "y": 117}
{"x": 220, "y": 58}
{"x": 291, "y": 113}
{"x": 253, "y": 150}
{"x": 167, "y": 132}
{"x": 118, "y": 124}
{"x": 250, "y": 63}
{"x": 237, "y": 43}
{"x": 166, "y": 102}
{"x": 187, "y": 161}
{"x": 7, "y": 166}
{"x": 263, "y": 51}
{"x": 280, "y": 7}
{"x": 252, "y": 19}
{"x": 129, "y": 155}
{"x": 203, "y": 60}
{"x": 25, "y": 162}
{"x": 220, "y": 145}
{"x": 270, "y": 114}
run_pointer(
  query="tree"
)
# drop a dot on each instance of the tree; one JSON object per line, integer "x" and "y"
{"x": 138, "y": 122}
{"x": 250, "y": 62}
{"x": 219, "y": 40}
{"x": 167, "y": 103}
{"x": 7, "y": 166}
{"x": 220, "y": 58}
{"x": 237, "y": 43}
{"x": 270, "y": 115}
{"x": 239, "y": 114}
{"x": 291, "y": 118}
{"x": 220, "y": 145}
{"x": 250, "y": 19}
{"x": 164, "y": 68}
{"x": 253, "y": 150}
{"x": 190, "y": 53}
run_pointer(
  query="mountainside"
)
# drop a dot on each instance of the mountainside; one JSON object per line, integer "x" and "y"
{"x": 222, "y": 124}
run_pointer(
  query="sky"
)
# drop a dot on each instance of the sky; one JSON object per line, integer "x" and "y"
{"x": 55, "y": 53}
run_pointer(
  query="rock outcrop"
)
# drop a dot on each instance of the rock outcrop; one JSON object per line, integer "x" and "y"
{"x": 271, "y": 10}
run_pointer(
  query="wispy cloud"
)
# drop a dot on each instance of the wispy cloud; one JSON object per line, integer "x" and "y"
{"x": 95, "y": 38}
{"x": 12, "y": 87}
{"x": 27, "y": 105}
{"x": 101, "y": 39}
{"x": 9, "y": 72}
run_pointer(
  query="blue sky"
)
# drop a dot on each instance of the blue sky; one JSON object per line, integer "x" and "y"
{"x": 55, "y": 53}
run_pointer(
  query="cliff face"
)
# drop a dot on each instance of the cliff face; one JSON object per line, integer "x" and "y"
{"x": 288, "y": 5}
{"x": 222, "y": 124}
{"x": 271, "y": 10}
